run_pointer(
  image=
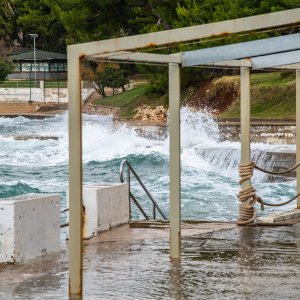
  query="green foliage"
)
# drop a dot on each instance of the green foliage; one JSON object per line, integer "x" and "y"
{"x": 152, "y": 15}
{"x": 6, "y": 19}
{"x": 128, "y": 101}
{"x": 159, "y": 84}
{"x": 273, "y": 95}
{"x": 109, "y": 77}
{"x": 5, "y": 69}
{"x": 62, "y": 22}
{"x": 123, "y": 99}
{"x": 27, "y": 84}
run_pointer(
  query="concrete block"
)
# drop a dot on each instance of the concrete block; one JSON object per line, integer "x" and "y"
{"x": 106, "y": 205}
{"x": 281, "y": 216}
{"x": 29, "y": 226}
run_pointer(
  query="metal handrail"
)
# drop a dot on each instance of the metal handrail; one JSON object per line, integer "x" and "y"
{"x": 131, "y": 196}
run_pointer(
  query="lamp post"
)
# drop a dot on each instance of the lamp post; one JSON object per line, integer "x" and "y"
{"x": 34, "y": 36}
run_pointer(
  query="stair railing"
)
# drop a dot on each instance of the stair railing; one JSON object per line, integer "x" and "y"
{"x": 155, "y": 206}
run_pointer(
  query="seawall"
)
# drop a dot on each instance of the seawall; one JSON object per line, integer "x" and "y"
{"x": 261, "y": 132}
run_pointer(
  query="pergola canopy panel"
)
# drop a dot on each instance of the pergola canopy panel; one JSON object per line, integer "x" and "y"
{"x": 276, "y": 60}
{"x": 282, "y": 59}
{"x": 241, "y": 50}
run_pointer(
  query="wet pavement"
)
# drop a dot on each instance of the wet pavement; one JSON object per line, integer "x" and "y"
{"x": 219, "y": 261}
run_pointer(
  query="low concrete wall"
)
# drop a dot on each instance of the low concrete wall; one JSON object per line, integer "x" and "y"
{"x": 260, "y": 133}
{"x": 39, "y": 75}
{"x": 106, "y": 205}
{"x": 37, "y": 94}
{"x": 102, "y": 110}
{"x": 280, "y": 133}
{"x": 278, "y": 162}
{"x": 29, "y": 226}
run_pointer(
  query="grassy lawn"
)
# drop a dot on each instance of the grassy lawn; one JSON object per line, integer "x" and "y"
{"x": 273, "y": 95}
{"x": 128, "y": 101}
{"x": 26, "y": 84}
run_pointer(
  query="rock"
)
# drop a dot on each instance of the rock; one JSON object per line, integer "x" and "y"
{"x": 146, "y": 113}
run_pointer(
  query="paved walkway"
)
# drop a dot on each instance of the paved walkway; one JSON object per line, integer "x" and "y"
{"x": 219, "y": 261}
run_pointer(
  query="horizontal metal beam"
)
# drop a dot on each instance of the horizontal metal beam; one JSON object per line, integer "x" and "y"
{"x": 188, "y": 33}
{"x": 275, "y": 60}
{"x": 242, "y": 50}
{"x": 249, "y": 63}
{"x": 289, "y": 67}
{"x": 232, "y": 63}
{"x": 139, "y": 57}
{"x": 286, "y": 60}
{"x": 105, "y": 55}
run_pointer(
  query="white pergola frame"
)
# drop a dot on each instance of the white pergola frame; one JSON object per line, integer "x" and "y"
{"x": 120, "y": 49}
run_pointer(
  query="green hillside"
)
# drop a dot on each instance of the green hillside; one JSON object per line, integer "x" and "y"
{"x": 273, "y": 95}
{"x": 128, "y": 101}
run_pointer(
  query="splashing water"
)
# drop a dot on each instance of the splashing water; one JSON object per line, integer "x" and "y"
{"x": 209, "y": 167}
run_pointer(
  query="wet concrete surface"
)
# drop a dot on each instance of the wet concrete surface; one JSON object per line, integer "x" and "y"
{"x": 219, "y": 261}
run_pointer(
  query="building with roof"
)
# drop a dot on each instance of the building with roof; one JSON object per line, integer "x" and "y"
{"x": 46, "y": 65}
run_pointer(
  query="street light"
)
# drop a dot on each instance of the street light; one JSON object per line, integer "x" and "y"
{"x": 34, "y": 36}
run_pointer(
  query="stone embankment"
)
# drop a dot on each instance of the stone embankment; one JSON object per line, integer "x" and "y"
{"x": 102, "y": 110}
{"x": 262, "y": 131}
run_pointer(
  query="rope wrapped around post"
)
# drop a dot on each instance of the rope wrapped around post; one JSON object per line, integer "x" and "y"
{"x": 247, "y": 212}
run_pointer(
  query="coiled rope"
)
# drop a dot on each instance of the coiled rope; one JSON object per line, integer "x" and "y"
{"x": 247, "y": 211}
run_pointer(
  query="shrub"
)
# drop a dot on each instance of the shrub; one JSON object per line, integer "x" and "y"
{"x": 5, "y": 69}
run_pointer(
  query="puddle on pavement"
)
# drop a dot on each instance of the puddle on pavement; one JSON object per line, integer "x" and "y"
{"x": 240, "y": 263}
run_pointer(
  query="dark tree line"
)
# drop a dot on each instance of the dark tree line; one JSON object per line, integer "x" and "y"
{"x": 62, "y": 22}
{"x": 59, "y": 23}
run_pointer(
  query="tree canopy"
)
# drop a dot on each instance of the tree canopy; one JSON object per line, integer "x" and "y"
{"x": 59, "y": 23}
{"x": 62, "y": 22}
{"x": 105, "y": 75}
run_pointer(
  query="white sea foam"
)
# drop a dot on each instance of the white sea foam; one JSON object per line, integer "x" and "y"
{"x": 209, "y": 166}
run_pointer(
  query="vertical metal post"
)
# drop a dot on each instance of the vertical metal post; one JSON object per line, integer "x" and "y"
{"x": 298, "y": 132}
{"x": 174, "y": 119}
{"x": 129, "y": 199}
{"x": 75, "y": 174}
{"x": 44, "y": 85}
{"x": 245, "y": 122}
{"x": 58, "y": 84}
{"x": 34, "y": 36}
{"x": 30, "y": 83}
{"x": 34, "y": 54}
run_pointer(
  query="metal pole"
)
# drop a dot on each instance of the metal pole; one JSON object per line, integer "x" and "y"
{"x": 58, "y": 84}
{"x": 174, "y": 118}
{"x": 30, "y": 83}
{"x": 298, "y": 132}
{"x": 245, "y": 122}
{"x": 44, "y": 84}
{"x": 128, "y": 180}
{"x": 75, "y": 174}
{"x": 34, "y": 36}
{"x": 34, "y": 55}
